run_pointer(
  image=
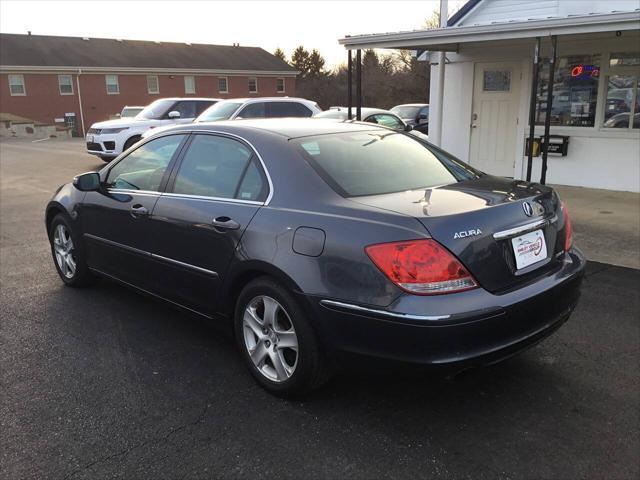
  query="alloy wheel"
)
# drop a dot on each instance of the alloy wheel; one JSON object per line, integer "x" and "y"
{"x": 270, "y": 339}
{"x": 63, "y": 249}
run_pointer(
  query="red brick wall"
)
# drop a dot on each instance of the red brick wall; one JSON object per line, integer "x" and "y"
{"x": 44, "y": 103}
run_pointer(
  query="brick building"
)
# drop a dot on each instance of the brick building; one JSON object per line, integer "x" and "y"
{"x": 80, "y": 81}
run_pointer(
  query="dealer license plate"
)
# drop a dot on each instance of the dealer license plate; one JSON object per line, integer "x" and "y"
{"x": 89, "y": 138}
{"x": 529, "y": 248}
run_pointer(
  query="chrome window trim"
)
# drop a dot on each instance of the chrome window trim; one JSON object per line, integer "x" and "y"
{"x": 217, "y": 199}
{"x": 151, "y": 255}
{"x": 512, "y": 232}
{"x": 130, "y": 191}
{"x": 386, "y": 313}
{"x": 227, "y": 134}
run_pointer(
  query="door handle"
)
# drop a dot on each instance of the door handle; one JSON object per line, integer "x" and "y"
{"x": 138, "y": 211}
{"x": 225, "y": 223}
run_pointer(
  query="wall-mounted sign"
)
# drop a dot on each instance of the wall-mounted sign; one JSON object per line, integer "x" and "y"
{"x": 585, "y": 72}
{"x": 58, "y": 120}
{"x": 70, "y": 114}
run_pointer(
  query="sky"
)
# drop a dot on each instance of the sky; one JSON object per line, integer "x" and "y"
{"x": 266, "y": 24}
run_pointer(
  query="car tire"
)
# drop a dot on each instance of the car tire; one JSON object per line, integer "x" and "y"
{"x": 130, "y": 142}
{"x": 270, "y": 341}
{"x": 68, "y": 253}
{"x": 106, "y": 159}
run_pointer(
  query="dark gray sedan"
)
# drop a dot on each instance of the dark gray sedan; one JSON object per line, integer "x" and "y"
{"x": 317, "y": 237}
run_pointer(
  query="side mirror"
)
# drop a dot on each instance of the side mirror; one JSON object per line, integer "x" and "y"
{"x": 408, "y": 128}
{"x": 423, "y": 116}
{"x": 87, "y": 182}
{"x": 173, "y": 114}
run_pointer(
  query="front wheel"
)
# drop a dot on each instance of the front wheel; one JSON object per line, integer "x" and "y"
{"x": 68, "y": 253}
{"x": 276, "y": 340}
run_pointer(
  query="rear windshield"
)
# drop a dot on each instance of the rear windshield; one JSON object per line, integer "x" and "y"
{"x": 406, "y": 111}
{"x": 376, "y": 162}
{"x": 219, "y": 111}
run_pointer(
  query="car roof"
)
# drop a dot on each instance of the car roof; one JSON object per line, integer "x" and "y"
{"x": 363, "y": 111}
{"x": 412, "y": 105}
{"x": 267, "y": 99}
{"x": 190, "y": 98}
{"x": 286, "y": 127}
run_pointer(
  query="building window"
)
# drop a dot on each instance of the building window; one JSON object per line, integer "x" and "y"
{"x": 153, "y": 86}
{"x": 65, "y": 84}
{"x": 280, "y": 85}
{"x": 575, "y": 91}
{"x": 112, "y": 84}
{"x": 622, "y": 107}
{"x": 16, "y": 85}
{"x": 496, "y": 81}
{"x": 223, "y": 85}
{"x": 253, "y": 85}
{"x": 189, "y": 84}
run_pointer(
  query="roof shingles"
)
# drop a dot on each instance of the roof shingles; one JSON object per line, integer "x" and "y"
{"x": 53, "y": 51}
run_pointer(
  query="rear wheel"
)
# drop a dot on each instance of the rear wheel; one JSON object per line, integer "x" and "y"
{"x": 68, "y": 253}
{"x": 105, "y": 159}
{"x": 276, "y": 340}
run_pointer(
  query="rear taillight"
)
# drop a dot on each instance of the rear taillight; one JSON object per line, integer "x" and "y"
{"x": 422, "y": 267}
{"x": 568, "y": 229}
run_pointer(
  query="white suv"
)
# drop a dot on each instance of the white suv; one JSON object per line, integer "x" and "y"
{"x": 109, "y": 139}
{"x": 262, "y": 107}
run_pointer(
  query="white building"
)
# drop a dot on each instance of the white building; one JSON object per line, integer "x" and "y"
{"x": 488, "y": 76}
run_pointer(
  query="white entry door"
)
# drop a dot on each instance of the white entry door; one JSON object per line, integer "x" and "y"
{"x": 494, "y": 120}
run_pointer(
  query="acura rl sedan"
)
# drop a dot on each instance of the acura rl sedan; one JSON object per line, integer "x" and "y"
{"x": 312, "y": 238}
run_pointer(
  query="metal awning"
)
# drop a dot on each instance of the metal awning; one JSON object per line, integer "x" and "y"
{"x": 448, "y": 39}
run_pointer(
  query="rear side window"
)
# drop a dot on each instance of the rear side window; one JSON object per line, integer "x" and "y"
{"x": 287, "y": 109}
{"x": 215, "y": 166}
{"x": 378, "y": 162}
{"x": 202, "y": 106}
{"x": 253, "y": 110}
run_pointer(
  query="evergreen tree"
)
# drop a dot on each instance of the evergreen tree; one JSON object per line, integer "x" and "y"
{"x": 280, "y": 54}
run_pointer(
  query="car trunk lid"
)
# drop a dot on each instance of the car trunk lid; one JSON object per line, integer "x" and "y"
{"x": 477, "y": 221}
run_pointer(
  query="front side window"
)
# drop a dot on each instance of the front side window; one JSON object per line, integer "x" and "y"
{"x": 16, "y": 85}
{"x": 386, "y": 121}
{"x": 153, "y": 85}
{"x": 223, "y": 85}
{"x": 378, "y": 162}
{"x": 253, "y": 85}
{"x": 189, "y": 85}
{"x": 186, "y": 108}
{"x": 65, "y": 84}
{"x": 212, "y": 167}
{"x": 575, "y": 91}
{"x": 144, "y": 168}
{"x": 113, "y": 88}
{"x": 280, "y": 85}
{"x": 253, "y": 110}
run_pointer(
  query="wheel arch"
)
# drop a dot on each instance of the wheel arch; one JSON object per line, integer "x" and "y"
{"x": 53, "y": 209}
{"x": 247, "y": 271}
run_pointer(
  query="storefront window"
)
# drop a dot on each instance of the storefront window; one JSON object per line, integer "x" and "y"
{"x": 620, "y": 108}
{"x": 575, "y": 91}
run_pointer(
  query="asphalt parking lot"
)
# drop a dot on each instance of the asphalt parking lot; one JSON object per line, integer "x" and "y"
{"x": 103, "y": 383}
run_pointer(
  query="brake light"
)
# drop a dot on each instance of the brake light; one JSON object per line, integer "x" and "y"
{"x": 568, "y": 229}
{"x": 422, "y": 267}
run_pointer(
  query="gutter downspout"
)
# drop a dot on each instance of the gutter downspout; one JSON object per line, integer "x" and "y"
{"x": 84, "y": 133}
{"x": 444, "y": 9}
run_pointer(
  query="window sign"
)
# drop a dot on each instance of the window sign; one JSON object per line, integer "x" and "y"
{"x": 575, "y": 91}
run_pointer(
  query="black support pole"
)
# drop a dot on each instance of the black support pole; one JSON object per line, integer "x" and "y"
{"x": 532, "y": 106}
{"x": 547, "y": 119}
{"x": 358, "y": 84}
{"x": 349, "y": 85}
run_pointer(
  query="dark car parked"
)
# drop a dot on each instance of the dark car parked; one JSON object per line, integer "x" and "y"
{"x": 313, "y": 237}
{"x": 414, "y": 114}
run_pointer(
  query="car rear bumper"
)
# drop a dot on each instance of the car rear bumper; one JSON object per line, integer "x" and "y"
{"x": 504, "y": 325}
